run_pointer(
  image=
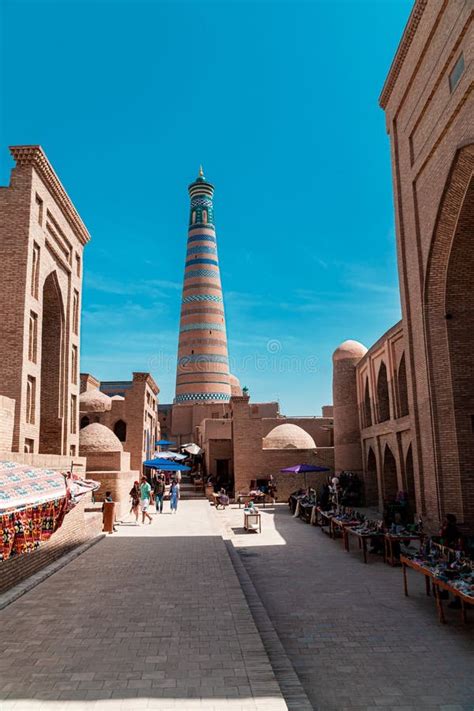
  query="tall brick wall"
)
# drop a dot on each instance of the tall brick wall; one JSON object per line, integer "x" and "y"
{"x": 429, "y": 120}
{"x": 41, "y": 246}
{"x": 77, "y": 528}
{"x": 7, "y": 421}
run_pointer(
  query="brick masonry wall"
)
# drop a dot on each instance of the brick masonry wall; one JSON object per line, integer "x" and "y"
{"x": 7, "y": 421}
{"x": 78, "y": 527}
{"x": 119, "y": 484}
{"x": 430, "y": 127}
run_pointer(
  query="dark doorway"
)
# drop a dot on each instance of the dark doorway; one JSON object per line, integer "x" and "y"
{"x": 371, "y": 485}
{"x": 390, "y": 481}
{"x": 84, "y": 422}
{"x": 120, "y": 430}
{"x": 52, "y": 378}
{"x": 367, "y": 406}
{"x": 382, "y": 394}
{"x": 410, "y": 480}
{"x": 402, "y": 388}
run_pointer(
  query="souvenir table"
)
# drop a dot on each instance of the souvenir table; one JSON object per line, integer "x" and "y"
{"x": 252, "y": 520}
{"x": 253, "y": 496}
{"x": 461, "y": 587}
{"x": 362, "y": 537}
{"x": 340, "y": 525}
{"x": 306, "y": 510}
{"x": 323, "y": 519}
{"x": 391, "y": 538}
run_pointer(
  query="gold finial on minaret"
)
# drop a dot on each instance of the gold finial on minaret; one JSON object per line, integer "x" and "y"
{"x": 201, "y": 172}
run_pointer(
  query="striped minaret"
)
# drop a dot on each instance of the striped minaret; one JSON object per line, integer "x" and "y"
{"x": 203, "y": 362}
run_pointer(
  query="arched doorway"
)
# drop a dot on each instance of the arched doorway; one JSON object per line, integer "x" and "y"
{"x": 402, "y": 388}
{"x": 120, "y": 430}
{"x": 410, "y": 479}
{"x": 449, "y": 321}
{"x": 382, "y": 394}
{"x": 389, "y": 480}
{"x": 367, "y": 406}
{"x": 370, "y": 483}
{"x": 52, "y": 377}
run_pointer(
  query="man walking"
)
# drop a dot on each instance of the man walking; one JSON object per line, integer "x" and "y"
{"x": 159, "y": 492}
{"x": 145, "y": 494}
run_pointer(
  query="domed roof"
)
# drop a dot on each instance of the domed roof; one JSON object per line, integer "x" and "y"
{"x": 349, "y": 349}
{"x": 98, "y": 438}
{"x": 288, "y": 436}
{"x": 94, "y": 401}
{"x": 235, "y": 387}
{"x": 117, "y": 397}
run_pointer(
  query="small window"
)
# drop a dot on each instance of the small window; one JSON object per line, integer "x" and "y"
{"x": 204, "y": 217}
{"x": 75, "y": 312}
{"x": 29, "y": 446}
{"x": 78, "y": 265}
{"x": 73, "y": 414}
{"x": 30, "y": 399}
{"x": 74, "y": 365}
{"x": 35, "y": 270}
{"x": 72, "y": 450}
{"x": 39, "y": 210}
{"x": 84, "y": 422}
{"x": 33, "y": 337}
{"x": 456, "y": 73}
{"x": 193, "y": 218}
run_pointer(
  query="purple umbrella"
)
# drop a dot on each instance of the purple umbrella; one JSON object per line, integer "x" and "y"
{"x": 303, "y": 468}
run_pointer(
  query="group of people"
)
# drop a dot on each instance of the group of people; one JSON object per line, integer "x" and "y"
{"x": 143, "y": 495}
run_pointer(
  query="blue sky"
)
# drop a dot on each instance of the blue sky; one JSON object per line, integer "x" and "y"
{"x": 278, "y": 101}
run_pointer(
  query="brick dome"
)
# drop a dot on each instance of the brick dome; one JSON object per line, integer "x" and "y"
{"x": 349, "y": 349}
{"x": 98, "y": 438}
{"x": 288, "y": 436}
{"x": 235, "y": 387}
{"x": 94, "y": 401}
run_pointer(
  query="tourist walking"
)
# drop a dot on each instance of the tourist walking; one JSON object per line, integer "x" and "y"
{"x": 174, "y": 496}
{"x": 145, "y": 496}
{"x": 134, "y": 494}
{"x": 159, "y": 492}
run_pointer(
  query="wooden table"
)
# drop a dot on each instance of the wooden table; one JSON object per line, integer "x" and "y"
{"x": 323, "y": 519}
{"x": 363, "y": 538}
{"x": 432, "y": 580}
{"x": 390, "y": 539}
{"x": 252, "y": 518}
{"x": 336, "y": 524}
{"x": 260, "y": 498}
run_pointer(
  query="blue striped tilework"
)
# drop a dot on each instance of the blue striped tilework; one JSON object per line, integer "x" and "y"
{"x": 203, "y": 327}
{"x": 201, "y": 250}
{"x": 201, "y": 297}
{"x": 192, "y": 262}
{"x": 188, "y": 397}
{"x": 202, "y": 238}
{"x": 202, "y": 273}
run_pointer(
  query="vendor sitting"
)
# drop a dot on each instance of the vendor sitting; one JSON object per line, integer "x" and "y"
{"x": 450, "y": 534}
{"x": 222, "y": 499}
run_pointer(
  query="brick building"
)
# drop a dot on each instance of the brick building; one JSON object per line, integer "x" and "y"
{"x": 415, "y": 387}
{"x": 127, "y": 407}
{"x": 42, "y": 239}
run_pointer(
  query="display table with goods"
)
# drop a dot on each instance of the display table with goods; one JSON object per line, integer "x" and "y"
{"x": 368, "y": 531}
{"x": 252, "y": 520}
{"x": 456, "y": 577}
{"x": 258, "y": 496}
{"x": 393, "y": 541}
{"x": 323, "y": 519}
{"x": 340, "y": 523}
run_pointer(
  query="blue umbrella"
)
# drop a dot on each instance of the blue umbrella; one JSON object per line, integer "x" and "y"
{"x": 166, "y": 465}
{"x": 164, "y": 443}
{"x": 303, "y": 468}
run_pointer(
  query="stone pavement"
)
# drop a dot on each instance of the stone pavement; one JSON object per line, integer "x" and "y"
{"x": 150, "y": 617}
{"x": 356, "y": 642}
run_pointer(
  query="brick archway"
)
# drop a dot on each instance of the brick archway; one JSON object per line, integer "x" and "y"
{"x": 371, "y": 483}
{"x": 52, "y": 368}
{"x": 389, "y": 475}
{"x": 449, "y": 321}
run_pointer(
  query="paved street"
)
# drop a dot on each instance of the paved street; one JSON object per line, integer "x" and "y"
{"x": 355, "y": 641}
{"x": 151, "y": 617}
{"x": 155, "y": 617}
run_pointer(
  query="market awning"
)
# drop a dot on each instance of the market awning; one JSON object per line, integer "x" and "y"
{"x": 302, "y": 468}
{"x": 192, "y": 448}
{"x": 164, "y": 443}
{"x": 166, "y": 465}
{"x": 171, "y": 455}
